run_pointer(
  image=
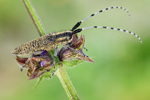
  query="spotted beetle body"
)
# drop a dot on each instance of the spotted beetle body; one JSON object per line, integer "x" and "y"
{"x": 46, "y": 42}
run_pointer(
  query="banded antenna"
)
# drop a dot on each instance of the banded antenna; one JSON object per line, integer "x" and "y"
{"x": 79, "y": 23}
{"x": 105, "y": 27}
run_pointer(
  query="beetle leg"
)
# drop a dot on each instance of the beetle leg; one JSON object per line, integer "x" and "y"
{"x": 55, "y": 54}
{"x": 25, "y": 63}
{"x": 22, "y": 67}
{"x": 34, "y": 54}
{"x": 29, "y": 60}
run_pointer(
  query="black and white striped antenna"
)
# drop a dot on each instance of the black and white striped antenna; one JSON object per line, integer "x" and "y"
{"x": 75, "y": 30}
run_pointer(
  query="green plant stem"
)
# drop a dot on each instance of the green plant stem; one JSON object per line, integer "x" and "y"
{"x": 61, "y": 71}
{"x": 66, "y": 83}
{"x": 36, "y": 20}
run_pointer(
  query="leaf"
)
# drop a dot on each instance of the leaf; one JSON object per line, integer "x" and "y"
{"x": 72, "y": 63}
{"x": 38, "y": 82}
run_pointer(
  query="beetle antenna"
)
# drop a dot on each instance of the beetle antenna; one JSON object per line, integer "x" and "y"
{"x": 79, "y": 23}
{"x": 105, "y": 27}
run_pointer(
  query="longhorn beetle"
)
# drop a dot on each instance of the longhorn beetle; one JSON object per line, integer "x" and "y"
{"x": 52, "y": 40}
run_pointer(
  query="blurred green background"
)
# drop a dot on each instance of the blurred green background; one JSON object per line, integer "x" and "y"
{"x": 122, "y": 65}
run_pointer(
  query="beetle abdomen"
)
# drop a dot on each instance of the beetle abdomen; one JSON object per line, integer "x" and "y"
{"x": 38, "y": 44}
